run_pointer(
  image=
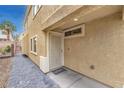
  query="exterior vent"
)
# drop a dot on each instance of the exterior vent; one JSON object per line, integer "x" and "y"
{"x": 75, "y": 32}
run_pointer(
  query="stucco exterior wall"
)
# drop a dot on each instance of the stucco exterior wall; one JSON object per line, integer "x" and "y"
{"x": 103, "y": 47}
{"x": 41, "y": 42}
{"x": 34, "y": 25}
{"x": 25, "y": 45}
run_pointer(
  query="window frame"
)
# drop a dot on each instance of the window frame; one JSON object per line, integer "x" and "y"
{"x": 82, "y": 34}
{"x": 32, "y": 45}
{"x": 35, "y": 9}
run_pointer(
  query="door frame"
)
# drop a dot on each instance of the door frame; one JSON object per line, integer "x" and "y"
{"x": 48, "y": 48}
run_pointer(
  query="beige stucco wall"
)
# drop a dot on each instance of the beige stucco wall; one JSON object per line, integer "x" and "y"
{"x": 25, "y": 44}
{"x": 41, "y": 43}
{"x": 103, "y": 47}
{"x": 34, "y": 25}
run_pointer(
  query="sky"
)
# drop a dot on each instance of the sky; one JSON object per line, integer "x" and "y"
{"x": 15, "y": 14}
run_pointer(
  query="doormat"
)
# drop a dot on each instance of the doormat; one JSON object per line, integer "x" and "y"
{"x": 58, "y": 71}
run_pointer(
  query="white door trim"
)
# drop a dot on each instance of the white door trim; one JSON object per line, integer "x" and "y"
{"x": 48, "y": 41}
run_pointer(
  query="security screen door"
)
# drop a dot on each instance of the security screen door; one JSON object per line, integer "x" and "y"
{"x": 55, "y": 47}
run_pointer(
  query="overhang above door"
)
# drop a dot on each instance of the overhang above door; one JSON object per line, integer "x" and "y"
{"x": 83, "y": 15}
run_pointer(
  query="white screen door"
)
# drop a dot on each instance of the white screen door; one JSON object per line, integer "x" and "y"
{"x": 55, "y": 50}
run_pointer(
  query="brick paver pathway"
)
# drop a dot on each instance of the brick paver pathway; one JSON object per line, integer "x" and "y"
{"x": 5, "y": 65}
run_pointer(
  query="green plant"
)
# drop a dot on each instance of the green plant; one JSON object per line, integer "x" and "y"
{"x": 8, "y": 23}
{"x": 7, "y": 49}
{"x": 8, "y": 26}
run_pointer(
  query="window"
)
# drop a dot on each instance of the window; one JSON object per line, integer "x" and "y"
{"x": 34, "y": 44}
{"x": 73, "y": 32}
{"x": 35, "y": 9}
{"x": 38, "y": 7}
{"x": 31, "y": 44}
{"x": 78, "y": 31}
{"x": 34, "y": 41}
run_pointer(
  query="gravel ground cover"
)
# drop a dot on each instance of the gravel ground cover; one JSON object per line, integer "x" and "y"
{"x": 25, "y": 74}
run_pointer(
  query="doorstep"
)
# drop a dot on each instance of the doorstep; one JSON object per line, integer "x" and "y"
{"x": 71, "y": 79}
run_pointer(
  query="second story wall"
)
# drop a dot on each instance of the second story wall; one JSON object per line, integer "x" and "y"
{"x": 43, "y": 13}
{"x": 47, "y": 15}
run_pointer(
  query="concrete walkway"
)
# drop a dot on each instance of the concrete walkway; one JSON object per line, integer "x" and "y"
{"x": 71, "y": 79}
{"x": 25, "y": 74}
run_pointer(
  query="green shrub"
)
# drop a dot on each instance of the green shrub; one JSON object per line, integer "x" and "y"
{"x": 7, "y": 49}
